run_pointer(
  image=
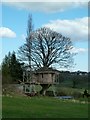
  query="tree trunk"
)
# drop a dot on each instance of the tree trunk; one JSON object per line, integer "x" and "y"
{"x": 44, "y": 88}
{"x": 74, "y": 84}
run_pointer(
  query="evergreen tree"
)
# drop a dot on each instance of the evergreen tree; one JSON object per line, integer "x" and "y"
{"x": 11, "y": 69}
{"x": 15, "y": 68}
{"x": 6, "y": 77}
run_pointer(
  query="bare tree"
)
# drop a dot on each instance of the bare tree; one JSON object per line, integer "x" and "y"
{"x": 51, "y": 48}
{"x": 24, "y": 52}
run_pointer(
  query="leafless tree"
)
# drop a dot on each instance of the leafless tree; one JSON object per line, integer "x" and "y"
{"x": 51, "y": 48}
{"x": 24, "y": 52}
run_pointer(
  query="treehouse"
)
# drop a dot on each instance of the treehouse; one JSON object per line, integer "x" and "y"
{"x": 46, "y": 75}
{"x": 43, "y": 76}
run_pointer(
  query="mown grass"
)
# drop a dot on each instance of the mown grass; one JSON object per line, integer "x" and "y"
{"x": 0, "y": 107}
{"x": 42, "y": 107}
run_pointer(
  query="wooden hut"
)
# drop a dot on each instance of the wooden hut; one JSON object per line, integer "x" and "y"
{"x": 43, "y": 76}
{"x": 46, "y": 75}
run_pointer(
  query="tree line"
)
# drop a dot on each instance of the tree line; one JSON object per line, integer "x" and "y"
{"x": 74, "y": 79}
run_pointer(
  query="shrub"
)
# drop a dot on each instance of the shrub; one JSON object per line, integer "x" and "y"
{"x": 64, "y": 91}
{"x": 76, "y": 94}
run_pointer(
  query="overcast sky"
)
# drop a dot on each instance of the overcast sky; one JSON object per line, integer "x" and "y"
{"x": 68, "y": 18}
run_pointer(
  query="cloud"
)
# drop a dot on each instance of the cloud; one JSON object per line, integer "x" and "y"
{"x": 79, "y": 50}
{"x": 47, "y": 5}
{"x": 76, "y": 29}
{"x": 7, "y": 33}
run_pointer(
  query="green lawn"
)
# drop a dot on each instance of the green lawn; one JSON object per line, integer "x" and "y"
{"x": 42, "y": 107}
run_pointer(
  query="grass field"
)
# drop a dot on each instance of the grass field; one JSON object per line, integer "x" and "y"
{"x": 43, "y": 107}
